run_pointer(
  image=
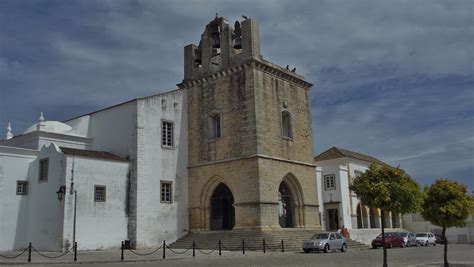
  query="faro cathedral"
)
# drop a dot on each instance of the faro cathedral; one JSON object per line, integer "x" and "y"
{"x": 230, "y": 149}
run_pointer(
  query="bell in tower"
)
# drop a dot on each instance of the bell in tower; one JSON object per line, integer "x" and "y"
{"x": 237, "y": 36}
{"x": 216, "y": 39}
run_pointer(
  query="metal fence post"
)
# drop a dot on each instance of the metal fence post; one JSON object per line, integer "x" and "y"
{"x": 282, "y": 247}
{"x": 220, "y": 251}
{"x": 75, "y": 251}
{"x": 243, "y": 246}
{"x": 164, "y": 249}
{"x": 264, "y": 251}
{"x": 121, "y": 248}
{"x": 29, "y": 252}
{"x": 194, "y": 249}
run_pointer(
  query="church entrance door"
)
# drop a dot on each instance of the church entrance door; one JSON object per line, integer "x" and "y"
{"x": 333, "y": 219}
{"x": 285, "y": 207}
{"x": 222, "y": 209}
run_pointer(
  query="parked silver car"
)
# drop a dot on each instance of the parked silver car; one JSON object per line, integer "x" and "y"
{"x": 409, "y": 238}
{"x": 426, "y": 238}
{"x": 325, "y": 242}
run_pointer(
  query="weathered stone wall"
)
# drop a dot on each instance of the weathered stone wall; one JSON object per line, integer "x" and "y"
{"x": 272, "y": 95}
{"x": 241, "y": 176}
{"x": 232, "y": 97}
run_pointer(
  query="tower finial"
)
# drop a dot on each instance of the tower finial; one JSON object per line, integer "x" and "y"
{"x": 41, "y": 117}
{"x": 9, "y": 134}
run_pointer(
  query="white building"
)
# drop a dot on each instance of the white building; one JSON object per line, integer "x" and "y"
{"x": 336, "y": 168}
{"x": 144, "y": 138}
{"x": 462, "y": 235}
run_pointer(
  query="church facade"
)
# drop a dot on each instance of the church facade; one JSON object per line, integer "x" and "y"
{"x": 230, "y": 149}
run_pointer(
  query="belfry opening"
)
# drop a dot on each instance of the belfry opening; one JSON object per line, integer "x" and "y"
{"x": 222, "y": 209}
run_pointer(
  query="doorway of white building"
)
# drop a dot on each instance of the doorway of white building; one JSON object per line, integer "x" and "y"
{"x": 333, "y": 219}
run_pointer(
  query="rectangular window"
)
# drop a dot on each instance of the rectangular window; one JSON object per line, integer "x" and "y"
{"x": 43, "y": 173}
{"x": 287, "y": 131}
{"x": 167, "y": 134}
{"x": 22, "y": 187}
{"x": 99, "y": 193}
{"x": 166, "y": 191}
{"x": 329, "y": 182}
{"x": 215, "y": 126}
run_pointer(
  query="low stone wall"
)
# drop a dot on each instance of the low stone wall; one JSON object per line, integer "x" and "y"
{"x": 364, "y": 236}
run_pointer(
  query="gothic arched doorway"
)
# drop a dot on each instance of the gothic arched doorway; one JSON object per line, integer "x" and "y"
{"x": 285, "y": 206}
{"x": 222, "y": 209}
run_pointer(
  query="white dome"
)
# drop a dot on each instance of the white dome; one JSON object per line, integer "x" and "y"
{"x": 50, "y": 126}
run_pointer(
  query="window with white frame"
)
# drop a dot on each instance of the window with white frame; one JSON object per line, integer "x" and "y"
{"x": 286, "y": 131}
{"x": 43, "y": 171}
{"x": 329, "y": 182}
{"x": 215, "y": 126}
{"x": 167, "y": 134}
{"x": 166, "y": 191}
{"x": 22, "y": 187}
{"x": 99, "y": 193}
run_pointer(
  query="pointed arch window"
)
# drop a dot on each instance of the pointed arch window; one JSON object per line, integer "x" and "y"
{"x": 286, "y": 123}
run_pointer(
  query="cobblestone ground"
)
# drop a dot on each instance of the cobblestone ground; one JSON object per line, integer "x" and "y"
{"x": 459, "y": 255}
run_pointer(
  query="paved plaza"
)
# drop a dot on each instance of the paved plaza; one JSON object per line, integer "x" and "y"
{"x": 459, "y": 255}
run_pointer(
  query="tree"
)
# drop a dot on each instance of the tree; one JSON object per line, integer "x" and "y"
{"x": 389, "y": 189}
{"x": 446, "y": 204}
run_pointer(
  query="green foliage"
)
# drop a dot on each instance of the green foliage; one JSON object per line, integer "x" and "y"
{"x": 388, "y": 188}
{"x": 446, "y": 203}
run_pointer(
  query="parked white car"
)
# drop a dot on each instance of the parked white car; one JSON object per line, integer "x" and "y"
{"x": 425, "y": 239}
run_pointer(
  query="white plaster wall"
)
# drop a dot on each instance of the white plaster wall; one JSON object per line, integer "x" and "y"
{"x": 331, "y": 195}
{"x": 99, "y": 225}
{"x": 345, "y": 211}
{"x": 454, "y": 235}
{"x": 37, "y": 139}
{"x": 353, "y": 166}
{"x": 44, "y": 227}
{"x": 15, "y": 164}
{"x": 319, "y": 190}
{"x": 28, "y": 141}
{"x": 158, "y": 221}
{"x": 112, "y": 129}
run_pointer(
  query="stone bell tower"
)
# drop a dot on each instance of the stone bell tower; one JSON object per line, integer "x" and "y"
{"x": 250, "y": 141}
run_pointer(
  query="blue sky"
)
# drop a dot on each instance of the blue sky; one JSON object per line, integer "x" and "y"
{"x": 392, "y": 79}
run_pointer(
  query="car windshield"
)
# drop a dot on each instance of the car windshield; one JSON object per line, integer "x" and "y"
{"x": 421, "y": 235}
{"x": 403, "y": 234}
{"x": 386, "y": 235}
{"x": 320, "y": 236}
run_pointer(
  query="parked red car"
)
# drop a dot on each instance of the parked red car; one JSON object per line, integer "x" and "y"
{"x": 391, "y": 240}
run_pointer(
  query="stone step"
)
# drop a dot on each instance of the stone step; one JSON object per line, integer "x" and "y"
{"x": 232, "y": 240}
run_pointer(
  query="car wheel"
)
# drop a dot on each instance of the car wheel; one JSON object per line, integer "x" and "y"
{"x": 374, "y": 247}
{"x": 402, "y": 244}
{"x": 343, "y": 248}
{"x": 326, "y": 248}
{"x": 408, "y": 244}
{"x": 434, "y": 244}
{"x": 390, "y": 245}
{"x": 426, "y": 244}
{"x": 306, "y": 250}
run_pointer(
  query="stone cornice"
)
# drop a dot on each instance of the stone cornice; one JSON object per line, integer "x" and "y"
{"x": 251, "y": 157}
{"x": 260, "y": 64}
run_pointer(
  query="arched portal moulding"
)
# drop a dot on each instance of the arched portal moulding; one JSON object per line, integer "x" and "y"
{"x": 205, "y": 198}
{"x": 297, "y": 195}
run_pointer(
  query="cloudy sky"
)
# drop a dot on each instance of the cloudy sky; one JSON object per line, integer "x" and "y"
{"x": 392, "y": 79}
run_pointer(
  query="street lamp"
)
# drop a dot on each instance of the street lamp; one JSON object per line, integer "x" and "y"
{"x": 60, "y": 193}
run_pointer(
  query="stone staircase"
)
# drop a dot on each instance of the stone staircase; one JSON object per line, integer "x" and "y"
{"x": 232, "y": 240}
